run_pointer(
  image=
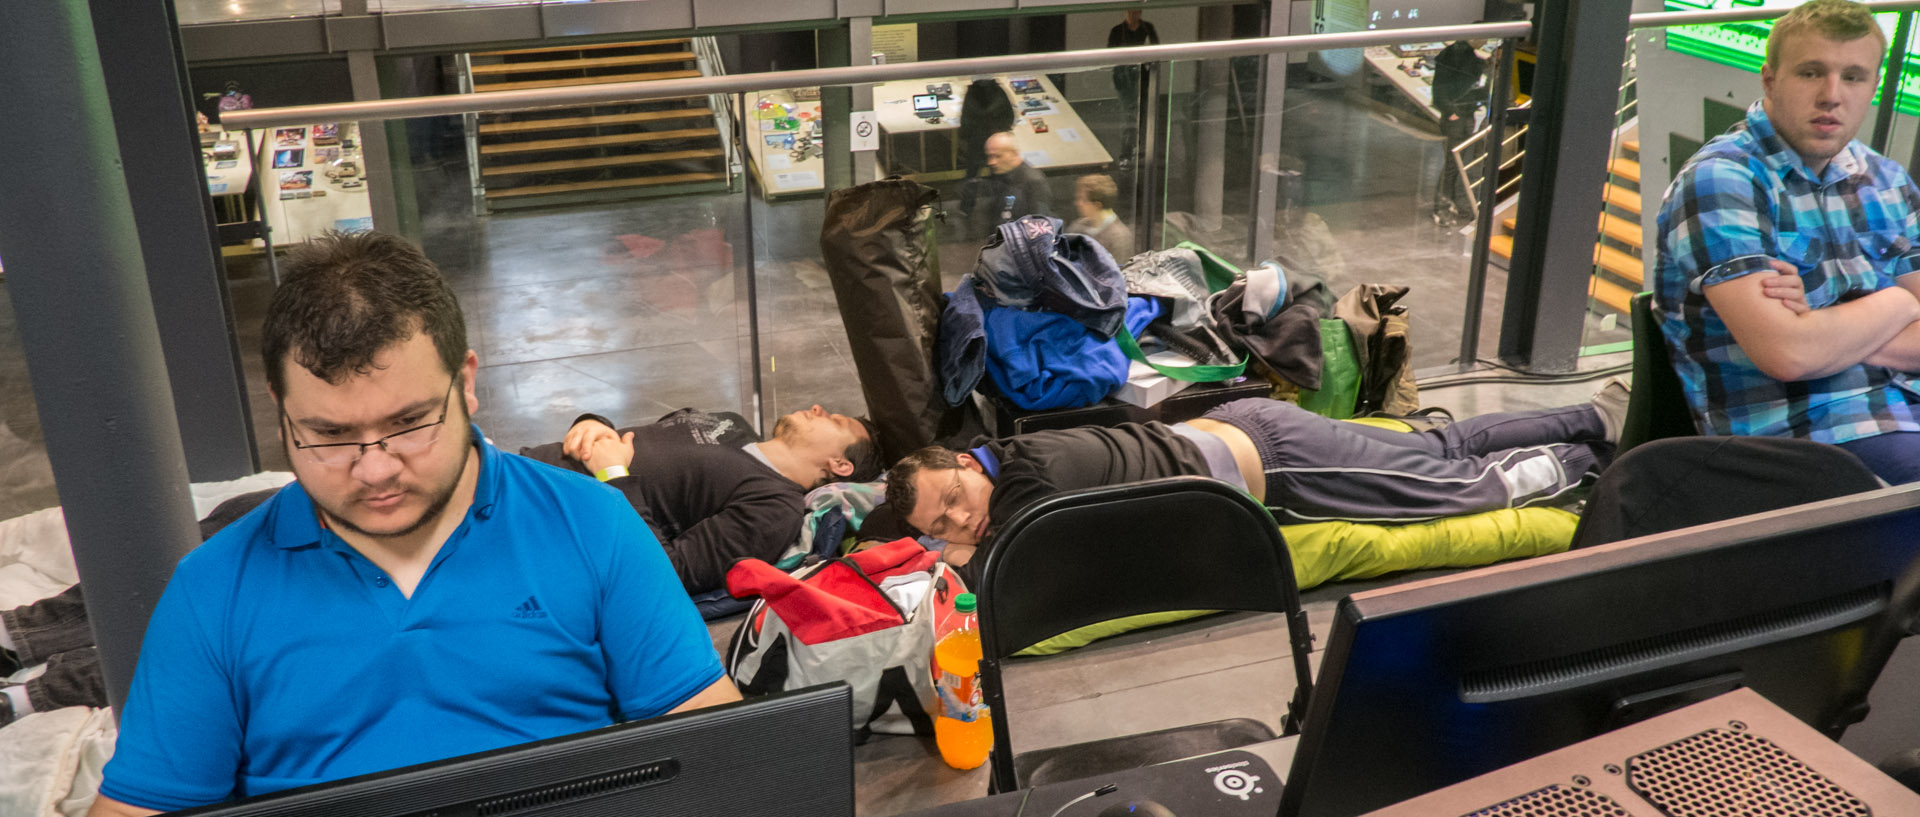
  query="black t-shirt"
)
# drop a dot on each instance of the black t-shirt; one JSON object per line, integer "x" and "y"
{"x": 1121, "y": 36}
{"x": 709, "y": 504}
{"x": 1039, "y": 464}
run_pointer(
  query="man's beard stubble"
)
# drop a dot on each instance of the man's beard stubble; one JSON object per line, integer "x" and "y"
{"x": 435, "y": 508}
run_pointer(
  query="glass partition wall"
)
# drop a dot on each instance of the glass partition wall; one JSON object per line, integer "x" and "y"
{"x": 631, "y": 259}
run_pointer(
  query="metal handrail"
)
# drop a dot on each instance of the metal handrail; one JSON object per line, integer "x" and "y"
{"x": 1664, "y": 19}
{"x": 535, "y": 98}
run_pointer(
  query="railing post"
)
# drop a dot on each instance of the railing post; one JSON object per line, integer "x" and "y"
{"x": 1562, "y": 179}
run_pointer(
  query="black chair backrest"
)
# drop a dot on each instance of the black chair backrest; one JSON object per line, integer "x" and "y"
{"x": 1099, "y": 554}
{"x": 1657, "y": 405}
{"x": 1685, "y": 481}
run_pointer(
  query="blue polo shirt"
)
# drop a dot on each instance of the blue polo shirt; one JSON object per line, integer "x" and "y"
{"x": 279, "y": 656}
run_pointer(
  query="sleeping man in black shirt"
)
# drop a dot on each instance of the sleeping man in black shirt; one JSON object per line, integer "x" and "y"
{"x": 710, "y": 502}
{"x": 1305, "y": 467}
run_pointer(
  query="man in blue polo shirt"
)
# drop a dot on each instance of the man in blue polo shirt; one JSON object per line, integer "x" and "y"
{"x": 415, "y": 594}
{"x": 1784, "y": 284}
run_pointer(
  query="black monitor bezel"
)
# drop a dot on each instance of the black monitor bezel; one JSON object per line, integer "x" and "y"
{"x": 825, "y": 711}
{"x": 1668, "y": 564}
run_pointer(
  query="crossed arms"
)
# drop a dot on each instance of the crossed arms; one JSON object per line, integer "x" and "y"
{"x": 1768, "y": 315}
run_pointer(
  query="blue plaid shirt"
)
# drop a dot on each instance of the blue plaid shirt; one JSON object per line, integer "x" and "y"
{"x": 1747, "y": 197}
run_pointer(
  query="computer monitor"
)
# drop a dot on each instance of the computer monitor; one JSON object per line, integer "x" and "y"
{"x": 788, "y": 754}
{"x": 1430, "y": 683}
{"x": 926, "y": 103}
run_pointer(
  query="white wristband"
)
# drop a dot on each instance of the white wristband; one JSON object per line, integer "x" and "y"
{"x": 610, "y": 472}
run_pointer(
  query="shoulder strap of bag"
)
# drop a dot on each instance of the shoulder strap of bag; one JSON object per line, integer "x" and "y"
{"x": 1220, "y": 275}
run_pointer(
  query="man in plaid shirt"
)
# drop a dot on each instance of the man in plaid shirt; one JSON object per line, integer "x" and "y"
{"x": 1785, "y": 248}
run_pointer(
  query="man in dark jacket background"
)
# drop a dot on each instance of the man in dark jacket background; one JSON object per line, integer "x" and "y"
{"x": 1457, "y": 95}
{"x": 1014, "y": 188}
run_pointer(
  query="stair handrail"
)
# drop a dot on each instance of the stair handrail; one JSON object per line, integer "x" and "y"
{"x": 706, "y": 53}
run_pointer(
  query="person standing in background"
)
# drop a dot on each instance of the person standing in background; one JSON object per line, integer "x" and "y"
{"x": 1457, "y": 96}
{"x": 1132, "y": 31}
{"x": 1093, "y": 199}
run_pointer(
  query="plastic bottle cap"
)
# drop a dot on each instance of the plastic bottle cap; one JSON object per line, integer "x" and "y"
{"x": 965, "y": 603}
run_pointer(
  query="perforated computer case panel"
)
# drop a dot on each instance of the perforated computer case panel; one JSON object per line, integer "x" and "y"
{"x": 1734, "y": 754}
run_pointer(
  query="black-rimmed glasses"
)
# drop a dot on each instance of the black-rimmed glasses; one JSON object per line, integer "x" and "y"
{"x": 399, "y": 443}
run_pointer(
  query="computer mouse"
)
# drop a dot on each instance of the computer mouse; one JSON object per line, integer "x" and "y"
{"x": 1136, "y": 808}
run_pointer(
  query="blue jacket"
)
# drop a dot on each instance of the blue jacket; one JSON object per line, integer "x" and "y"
{"x": 1044, "y": 360}
{"x": 1029, "y": 265}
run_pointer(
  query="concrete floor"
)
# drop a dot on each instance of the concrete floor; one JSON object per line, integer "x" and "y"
{"x": 633, "y": 309}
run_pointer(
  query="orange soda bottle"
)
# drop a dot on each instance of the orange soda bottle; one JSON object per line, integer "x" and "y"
{"x": 964, "y": 728}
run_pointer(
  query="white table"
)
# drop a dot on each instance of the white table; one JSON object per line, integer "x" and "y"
{"x": 1067, "y": 142}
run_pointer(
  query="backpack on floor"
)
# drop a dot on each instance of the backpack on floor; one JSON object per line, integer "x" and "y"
{"x": 868, "y": 619}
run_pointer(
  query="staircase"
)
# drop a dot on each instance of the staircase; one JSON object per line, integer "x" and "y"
{"x": 565, "y": 155}
{"x": 1618, "y": 270}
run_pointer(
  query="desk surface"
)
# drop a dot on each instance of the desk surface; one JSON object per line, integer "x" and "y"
{"x": 228, "y": 177}
{"x": 1066, "y": 142}
{"x": 779, "y": 172}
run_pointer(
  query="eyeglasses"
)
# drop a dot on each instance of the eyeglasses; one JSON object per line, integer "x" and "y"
{"x": 399, "y": 443}
{"x": 942, "y": 525}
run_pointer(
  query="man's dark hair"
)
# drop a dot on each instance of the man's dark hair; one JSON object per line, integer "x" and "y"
{"x": 347, "y": 296}
{"x": 865, "y": 454}
{"x": 901, "y": 493}
{"x": 1837, "y": 20}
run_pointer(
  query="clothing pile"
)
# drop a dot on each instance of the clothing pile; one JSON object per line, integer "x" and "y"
{"x": 1051, "y": 321}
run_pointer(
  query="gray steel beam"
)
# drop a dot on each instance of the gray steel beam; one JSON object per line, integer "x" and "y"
{"x": 85, "y": 314}
{"x": 866, "y": 164}
{"x": 378, "y": 163}
{"x": 1576, "y": 83}
{"x": 1266, "y": 153}
{"x": 153, "y": 113}
{"x": 832, "y": 46}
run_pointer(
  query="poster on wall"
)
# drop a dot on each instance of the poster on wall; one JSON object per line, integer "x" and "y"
{"x": 289, "y": 157}
{"x": 897, "y": 43}
{"x": 289, "y": 137}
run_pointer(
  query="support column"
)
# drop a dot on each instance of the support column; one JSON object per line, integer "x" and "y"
{"x": 1271, "y": 98}
{"x": 85, "y": 312}
{"x": 377, "y": 160}
{"x": 836, "y": 104}
{"x": 153, "y": 111}
{"x": 1563, "y": 177}
{"x": 866, "y": 164}
{"x": 1210, "y": 139}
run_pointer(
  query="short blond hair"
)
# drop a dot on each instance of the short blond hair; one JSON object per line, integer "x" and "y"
{"x": 1837, "y": 20}
{"x": 1099, "y": 189}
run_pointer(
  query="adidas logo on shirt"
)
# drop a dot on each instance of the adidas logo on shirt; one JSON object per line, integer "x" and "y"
{"x": 529, "y": 609}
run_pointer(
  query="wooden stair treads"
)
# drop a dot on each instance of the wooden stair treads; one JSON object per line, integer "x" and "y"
{"x": 638, "y": 137}
{"x": 602, "y": 161}
{"x": 1611, "y": 226}
{"x": 552, "y": 49}
{"x": 570, "y": 122}
{"x": 1615, "y": 296}
{"x": 602, "y": 184}
{"x": 530, "y": 67}
{"x": 567, "y": 82}
{"x": 1626, "y": 169}
{"x": 1623, "y": 198}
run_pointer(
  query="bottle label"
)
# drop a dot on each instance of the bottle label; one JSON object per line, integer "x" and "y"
{"x": 960, "y": 697}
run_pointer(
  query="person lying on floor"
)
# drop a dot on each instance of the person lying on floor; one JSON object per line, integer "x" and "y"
{"x": 51, "y": 631}
{"x": 1304, "y": 467}
{"x": 711, "y": 505}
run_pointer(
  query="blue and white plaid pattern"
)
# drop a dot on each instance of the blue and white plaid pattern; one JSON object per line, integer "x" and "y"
{"x": 1747, "y": 197}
